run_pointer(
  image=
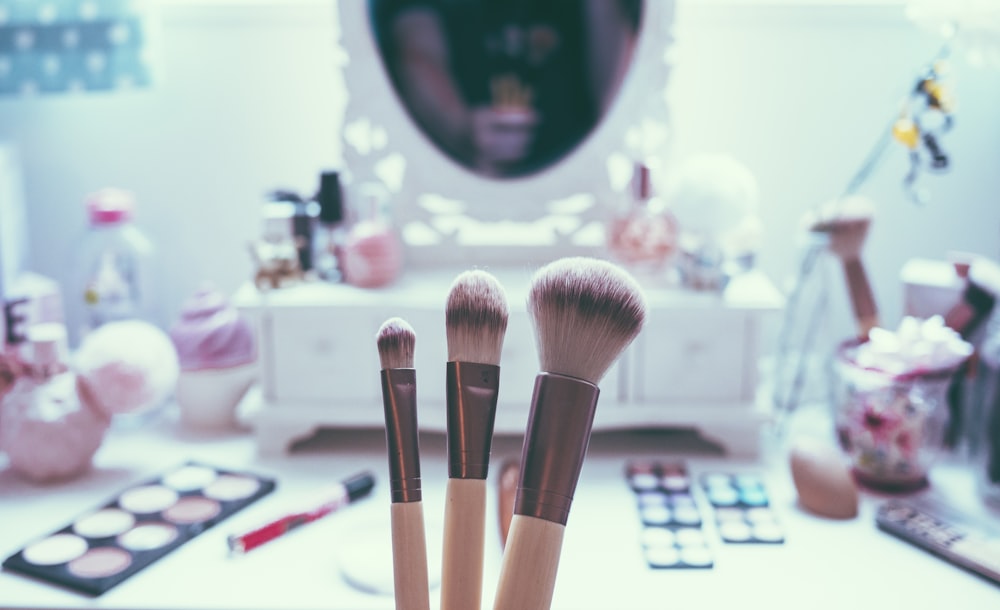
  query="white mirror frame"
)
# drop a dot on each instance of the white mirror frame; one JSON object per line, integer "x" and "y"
{"x": 446, "y": 212}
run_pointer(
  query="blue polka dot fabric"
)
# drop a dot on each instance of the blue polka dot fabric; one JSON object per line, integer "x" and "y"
{"x": 54, "y": 46}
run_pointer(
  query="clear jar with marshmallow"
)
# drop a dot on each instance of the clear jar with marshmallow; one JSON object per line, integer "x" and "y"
{"x": 890, "y": 405}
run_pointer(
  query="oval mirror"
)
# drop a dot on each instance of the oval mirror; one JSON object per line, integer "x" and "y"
{"x": 506, "y": 88}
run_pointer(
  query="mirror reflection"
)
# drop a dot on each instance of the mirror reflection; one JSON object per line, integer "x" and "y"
{"x": 506, "y": 88}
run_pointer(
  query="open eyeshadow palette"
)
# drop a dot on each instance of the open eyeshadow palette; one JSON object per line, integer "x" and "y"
{"x": 672, "y": 535}
{"x": 107, "y": 545}
{"x": 741, "y": 509}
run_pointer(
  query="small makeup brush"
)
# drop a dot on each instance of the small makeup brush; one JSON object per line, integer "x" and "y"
{"x": 584, "y": 312}
{"x": 475, "y": 322}
{"x": 396, "y": 341}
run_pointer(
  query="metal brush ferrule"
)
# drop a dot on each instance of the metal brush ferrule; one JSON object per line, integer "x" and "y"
{"x": 562, "y": 414}
{"x": 472, "y": 406}
{"x": 399, "y": 397}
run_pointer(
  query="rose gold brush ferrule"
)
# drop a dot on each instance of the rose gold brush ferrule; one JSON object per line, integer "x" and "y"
{"x": 472, "y": 405}
{"x": 562, "y": 414}
{"x": 399, "y": 397}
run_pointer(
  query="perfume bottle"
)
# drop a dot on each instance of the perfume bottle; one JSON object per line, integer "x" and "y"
{"x": 48, "y": 432}
{"x": 643, "y": 233}
{"x": 372, "y": 253}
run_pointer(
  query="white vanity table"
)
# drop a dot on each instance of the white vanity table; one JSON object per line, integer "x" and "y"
{"x": 693, "y": 366}
{"x": 826, "y": 565}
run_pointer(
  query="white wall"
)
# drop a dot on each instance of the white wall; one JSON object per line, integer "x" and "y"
{"x": 250, "y": 99}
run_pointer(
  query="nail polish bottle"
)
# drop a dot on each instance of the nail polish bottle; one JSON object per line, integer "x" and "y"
{"x": 331, "y": 230}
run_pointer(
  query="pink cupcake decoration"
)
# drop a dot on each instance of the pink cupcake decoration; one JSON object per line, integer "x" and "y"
{"x": 217, "y": 350}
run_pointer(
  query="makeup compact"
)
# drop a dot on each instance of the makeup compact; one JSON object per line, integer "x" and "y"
{"x": 672, "y": 535}
{"x": 109, "y": 544}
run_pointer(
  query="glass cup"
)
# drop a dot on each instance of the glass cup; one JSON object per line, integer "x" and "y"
{"x": 891, "y": 426}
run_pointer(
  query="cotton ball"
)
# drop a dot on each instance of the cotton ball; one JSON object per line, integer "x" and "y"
{"x": 711, "y": 194}
{"x": 47, "y": 433}
{"x": 127, "y": 366}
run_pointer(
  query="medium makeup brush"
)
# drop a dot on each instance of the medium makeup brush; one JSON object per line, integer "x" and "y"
{"x": 475, "y": 322}
{"x": 584, "y": 312}
{"x": 396, "y": 341}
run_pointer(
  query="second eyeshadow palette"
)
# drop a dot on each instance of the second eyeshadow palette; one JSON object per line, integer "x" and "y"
{"x": 742, "y": 509}
{"x": 143, "y": 523}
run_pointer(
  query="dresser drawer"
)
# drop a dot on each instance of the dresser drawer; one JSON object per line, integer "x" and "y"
{"x": 693, "y": 356}
{"x": 322, "y": 355}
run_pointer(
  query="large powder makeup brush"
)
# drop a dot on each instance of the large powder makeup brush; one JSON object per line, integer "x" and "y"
{"x": 847, "y": 229}
{"x": 475, "y": 322}
{"x": 585, "y": 312}
{"x": 396, "y": 341}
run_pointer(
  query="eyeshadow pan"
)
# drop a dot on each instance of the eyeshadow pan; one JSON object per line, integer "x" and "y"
{"x": 735, "y": 531}
{"x": 148, "y": 536}
{"x": 690, "y": 536}
{"x": 662, "y": 557}
{"x": 54, "y": 550}
{"x": 687, "y": 515}
{"x": 192, "y": 510}
{"x": 230, "y": 487}
{"x": 104, "y": 523}
{"x": 189, "y": 478}
{"x": 147, "y": 499}
{"x": 696, "y": 555}
{"x": 100, "y": 562}
{"x": 657, "y": 537}
{"x": 768, "y": 532}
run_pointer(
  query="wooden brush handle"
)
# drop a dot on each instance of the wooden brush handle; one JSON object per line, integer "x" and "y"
{"x": 409, "y": 557}
{"x": 506, "y": 494}
{"x": 530, "y": 562}
{"x": 862, "y": 297}
{"x": 464, "y": 534}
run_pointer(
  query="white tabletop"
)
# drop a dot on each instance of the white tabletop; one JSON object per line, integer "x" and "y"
{"x": 822, "y": 564}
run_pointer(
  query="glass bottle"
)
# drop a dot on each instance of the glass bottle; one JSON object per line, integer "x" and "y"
{"x": 114, "y": 261}
{"x": 372, "y": 252}
{"x": 331, "y": 231}
{"x": 48, "y": 432}
{"x": 642, "y": 235}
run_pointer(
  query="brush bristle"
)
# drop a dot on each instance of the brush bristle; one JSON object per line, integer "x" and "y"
{"x": 585, "y": 312}
{"x": 396, "y": 341}
{"x": 476, "y": 318}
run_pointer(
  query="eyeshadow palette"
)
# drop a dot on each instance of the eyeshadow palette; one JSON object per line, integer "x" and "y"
{"x": 672, "y": 535}
{"x": 107, "y": 545}
{"x": 741, "y": 509}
